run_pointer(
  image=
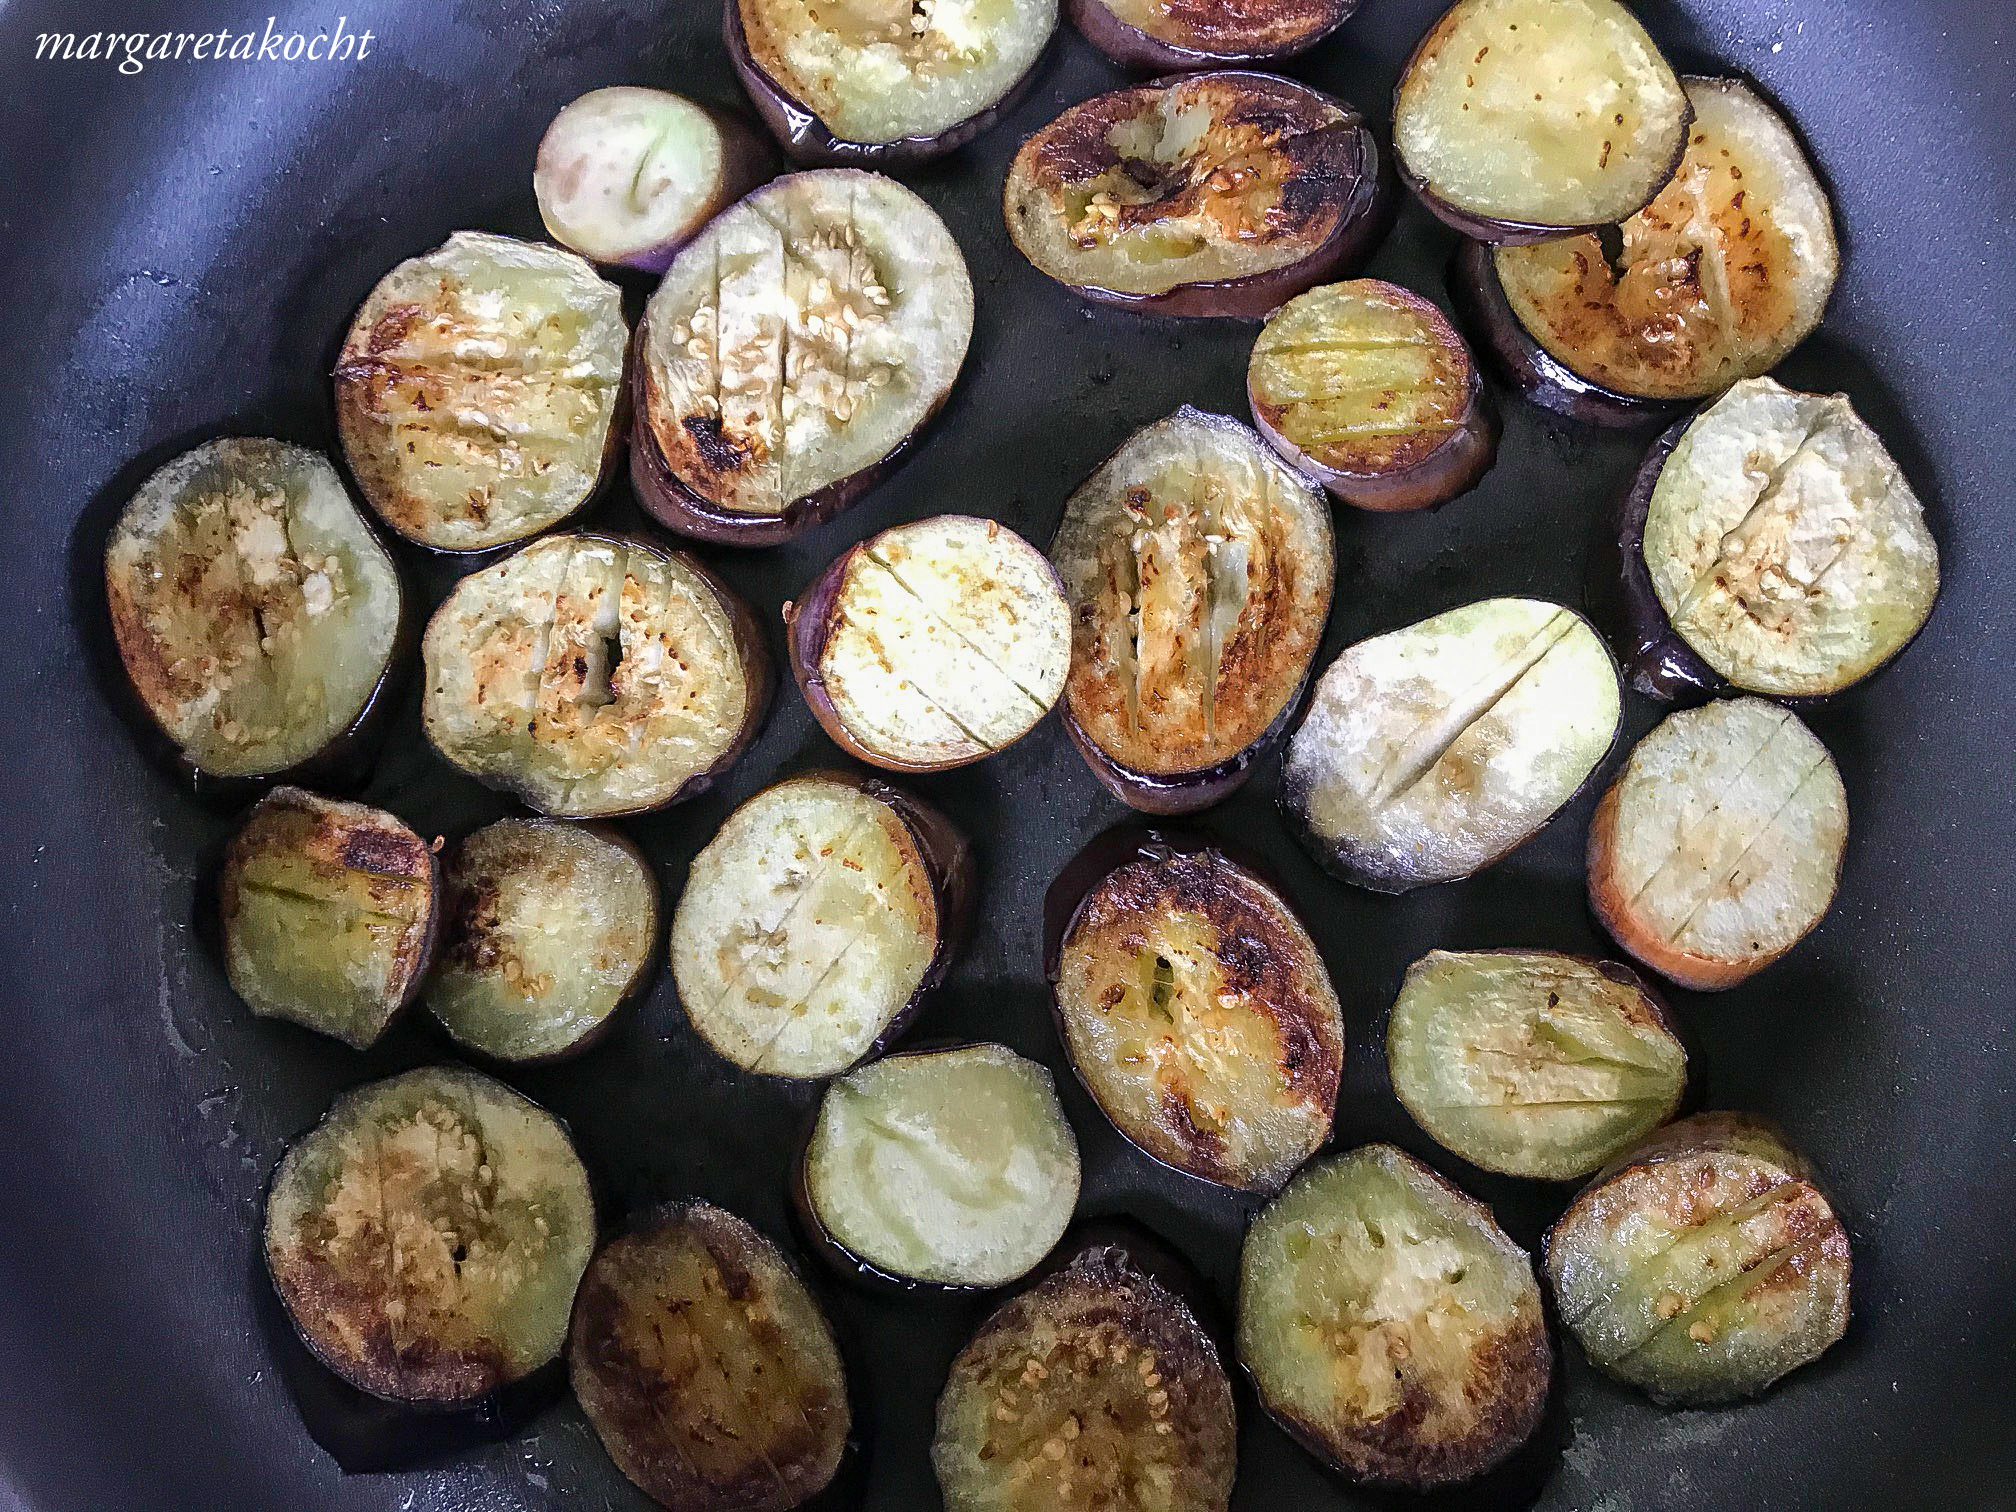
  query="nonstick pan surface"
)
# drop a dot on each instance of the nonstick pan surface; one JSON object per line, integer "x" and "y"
{"x": 179, "y": 253}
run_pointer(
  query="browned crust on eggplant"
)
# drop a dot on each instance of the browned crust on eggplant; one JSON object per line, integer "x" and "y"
{"x": 1230, "y": 30}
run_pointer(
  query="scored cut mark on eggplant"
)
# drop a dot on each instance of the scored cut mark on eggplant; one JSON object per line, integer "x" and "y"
{"x": 1530, "y": 1062}
{"x": 814, "y": 922}
{"x": 1198, "y": 1013}
{"x": 330, "y": 912}
{"x": 1220, "y": 193}
{"x": 626, "y": 175}
{"x": 549, "y": 928}
{"x": 1719, "y": 846}
{"x": 479, "y": 392}
{"x": 427, "y": 1235}
{"x": 932, "y": 645}
{"x": 1773, "y": 544}
{"x": 594, "y": 675}
{"x": 952, "y": 1168}
{"x": 1367, "y": 388}
{"x": 255, "y": 612}
{"x": 1199, "y": 572}
{"x": 1517, "y": 120}
{"x": 1389, "y": 1325}
{"x": 1095, "y": 1388}
{"x": 1169, "y": 36}
{"x": 1705, "y": 1264}
{"x": 794, "y": 350}
{"x": 1431, "y": 752}
{"x": 706, "y": 1368}
{"x": 887, "y": 82}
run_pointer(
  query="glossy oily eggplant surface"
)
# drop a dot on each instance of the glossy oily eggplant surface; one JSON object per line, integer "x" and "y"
{"x": 1170, "y": 36}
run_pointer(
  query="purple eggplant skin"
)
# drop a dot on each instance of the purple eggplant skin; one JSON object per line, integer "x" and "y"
{"x": 804, "y": 137}
{"x": 1133, "y": 48}
{"x": 1120, "y": 1243}
{"x": 1122, "y": 845}
{"x": 1538, "y": 374}
{"x": 1657, "y": 661}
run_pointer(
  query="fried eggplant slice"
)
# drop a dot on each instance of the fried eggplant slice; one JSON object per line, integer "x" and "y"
{"x": 1532, "y": 1063}
{"x": 1389, "y": 1325}
{"x": 427, "y": 1235}
{"x": 478, "y": 393}
{"x": 1199, "y": 572}
{"x": 255, "y": 612}
{"x": 1719, "y": 846}
{"x": 1704, "y": 1265}
{"x": 329, "y": 913}
{"x": 550, "y": 927}
{"x": 706, "y": 1368}
{"x": 594, "y": 675}
{"x": 1432, "y": 752}
{"x": 1169, "y": 36}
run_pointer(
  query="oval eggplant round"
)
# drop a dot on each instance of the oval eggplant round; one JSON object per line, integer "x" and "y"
{"x": 824, "y": 88}
{"x": 771, "y": 396}
{"x": 626, "y": 176}
{"x": 450, "y": 334}
{"x": 942, "y": 1170}
{"x": 1280, "y": 186}
{"x": 883, "y": 872}
{"x": 651, "y": 676}
{"x": 1174, "y": 36}
{"x": 1199, "y": 571}
{"x": 1367, "y": 388}
{"x": 932, "y": 645}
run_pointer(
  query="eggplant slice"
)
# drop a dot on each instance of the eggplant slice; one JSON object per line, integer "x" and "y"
{"x": 550, "y": 927}
{"x": 1168, "y": 36}
{"x": 1782, "y": 545}
{"x": 815, "y": 921}
{"x": 255, "y": 612}
{"x": 1217, "y": 194}
{"x": 594, "y": 675}
{"x": 478, "y": 391}
{"x": 1199, "y": 572}
{"x": 329, "y": 914}
{"x": 1519, "y": 119}
{"x": 1432, "y": 752}
{"x": 951, "y": 1168}
{"x": 1719, "y": 846}
{"x": 1532, "y": 1063}
{"x": 1198, "y": 1014}
{"x": 794, "y": 349}
{"x": 427, "y": 1235}
{"x": 1704, "y": 1265}
{"x": 1096, "y": 1390}
{"x": 706, "y": 1368}
{"x": 1367, "y": 388}
{"x": 1389, "y": 1325}
{"x": 1718, "y": 278}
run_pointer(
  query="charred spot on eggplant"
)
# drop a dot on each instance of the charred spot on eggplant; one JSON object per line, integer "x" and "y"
{"x": 932, "y": 645}
{"x": 1778, "y": 541}
{"x": 1389, "y": 1325}
{"x": 815, "y": 921}
{"x": 255, "y": 612}
{"x": 1719, "y": 846}
{"x": 1704, "y": 1265}
{"x": 1199, "y": 572}
{"x": 793, "y": 351}
{"x": 594, "y": 675}
{"x": 1519, "y": 119}
{"x": 1716, "y": 279}
{"x": 706, "y": 1368}
{"x": 1532, "y": 1063}
{"x": 1095, "y": 1388}
{"x": 329, "y": 913}
{"x": 1167, "y": 36}
{"x": 1221, "y": 193}
{"x": 951, "y": 1168}
{"x": 1432, "y": 752}
{"x": 1367, "y": 388}
{"x": 427, "y": 1235}
{"x": 1198, "y": 1013}
{"x": 478, "y": 391}
{"x": 549, "y": 928}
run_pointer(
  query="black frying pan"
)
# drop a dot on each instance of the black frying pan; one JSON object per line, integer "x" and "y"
{"x": 181, "y": 250}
